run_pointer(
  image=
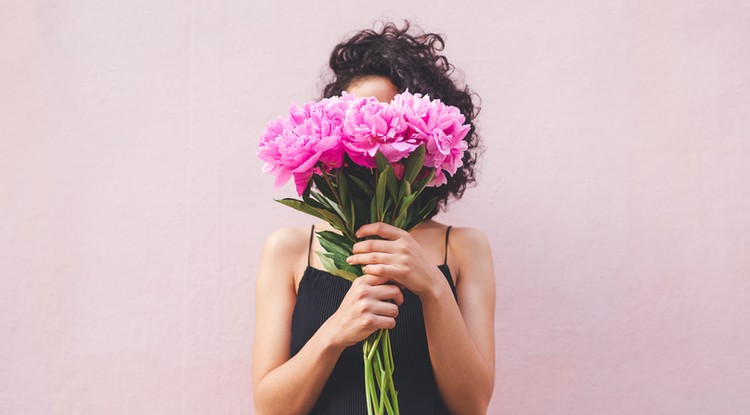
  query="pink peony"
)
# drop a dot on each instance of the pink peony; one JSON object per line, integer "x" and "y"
{"x": 418, "y": 113}
{"x": 370, "y": 126}
{"x": 440, "y": 126}
{"x": 445, "y": 151}
{"x": 311, "y": 134}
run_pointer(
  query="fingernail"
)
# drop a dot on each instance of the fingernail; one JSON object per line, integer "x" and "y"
{"x": 349, "y": 260}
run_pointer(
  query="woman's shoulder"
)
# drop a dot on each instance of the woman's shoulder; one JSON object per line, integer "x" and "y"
{"x": 469, "y": 238}
{"x": 287, "y": 247}
{"x": 463, "y": 243}
{"x": 462, "y": 238}
{"x": 468, "y": 248}
{"x": 287, "y": 238}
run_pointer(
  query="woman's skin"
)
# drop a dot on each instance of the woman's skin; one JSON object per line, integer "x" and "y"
{"x": 460, "y": 336}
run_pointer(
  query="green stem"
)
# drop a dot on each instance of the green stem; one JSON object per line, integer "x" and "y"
{"x": 374, "y": 346}
{"x": 386, "y": 381}
{"x": 391, "y": 386}
{"x": 383, "y": 389}
{"x": 368, "y": 379}
{"x": 386, "y": 353}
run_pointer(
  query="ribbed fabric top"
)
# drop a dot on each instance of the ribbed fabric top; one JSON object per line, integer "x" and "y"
{"x": 319, "y": 295}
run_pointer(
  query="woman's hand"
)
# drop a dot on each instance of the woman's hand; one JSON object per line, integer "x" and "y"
{"x": 396, "y": 257}
{"x": 369, "y": 305}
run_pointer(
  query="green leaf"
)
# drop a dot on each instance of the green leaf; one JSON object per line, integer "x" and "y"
{"x": 311, "y": 201}
{"x": 380, "y": 193}
{"x": 414, "y": 163}
{"x": 305, "y": 208}
{"x": 325, "y": 215}
{"x": 339, "y": 261}
{"x": 362, "y": 211}
{"x": 336, "y": 238}
{"x": 400, "y": 221}
{"x": 373, "y": 210}
{"x": 423, "y": 213}
{"x": 330, "y": 267}
{"x": 406, "y": 203}
{"x": 381, "y": 161}
{"x": 332, "y": 207}
{"x": 392, "y": 183}
{"x": 418, "y": 187}
{"x": 323, "y": 186}
{"x": 406, "y": 212}
{"x": 385, "y": 216}
{"x": 364, "y": 187}
{"x": 332, "y": 247}
{"x": 343, "y": 189}
{"x": 322, "y": 200}
{"x": 405, "y": 189}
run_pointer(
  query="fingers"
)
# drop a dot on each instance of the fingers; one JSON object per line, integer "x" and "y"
{"x": 373, "y": 245}
{"x": 372, "y": 280}
{"x": 389, "y": 292}
{"x": 375, "y": 287}
{"x": 370, "y": 258}
{"x": 376, "y": 302}
{"x": 373, "y": 266}
{"x": 380, "y": 322}
{"x": 392, "y": 272}
{"x": 381, "y": 229}
{"x": 381, "y": 308}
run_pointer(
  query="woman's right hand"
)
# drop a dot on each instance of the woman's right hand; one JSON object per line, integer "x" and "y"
{"x": 369, "y": 305}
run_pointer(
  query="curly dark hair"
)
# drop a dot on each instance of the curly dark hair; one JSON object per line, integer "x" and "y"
{"x": 411, "y": 62}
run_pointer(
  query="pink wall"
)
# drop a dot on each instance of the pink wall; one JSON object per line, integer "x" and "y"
{"x": 614, "y": 190}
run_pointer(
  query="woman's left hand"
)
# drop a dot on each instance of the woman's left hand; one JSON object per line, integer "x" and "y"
{"x": 397, "y": 257}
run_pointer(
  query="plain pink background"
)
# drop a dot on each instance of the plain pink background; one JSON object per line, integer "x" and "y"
{"x": 614, "y": 190}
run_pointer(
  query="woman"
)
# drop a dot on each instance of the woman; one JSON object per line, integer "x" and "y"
{"x": 433, "y": 286}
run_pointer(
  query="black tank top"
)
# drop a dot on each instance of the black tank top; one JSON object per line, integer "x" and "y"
{"x": 319, "y": 295}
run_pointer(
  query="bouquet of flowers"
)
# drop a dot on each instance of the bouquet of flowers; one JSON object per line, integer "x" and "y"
{"x": 356, "y": 161}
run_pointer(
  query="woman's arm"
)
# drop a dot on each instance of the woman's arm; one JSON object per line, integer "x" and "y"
{"x": 460, "y": 339}
{"x": 284, "y": 385}
{"x": 277, "y": 388}
{"x": 461, "y": 336}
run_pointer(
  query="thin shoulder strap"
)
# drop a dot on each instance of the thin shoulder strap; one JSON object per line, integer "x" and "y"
{"x": 309, "y": 248}
{"x": 447, "y": 232}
